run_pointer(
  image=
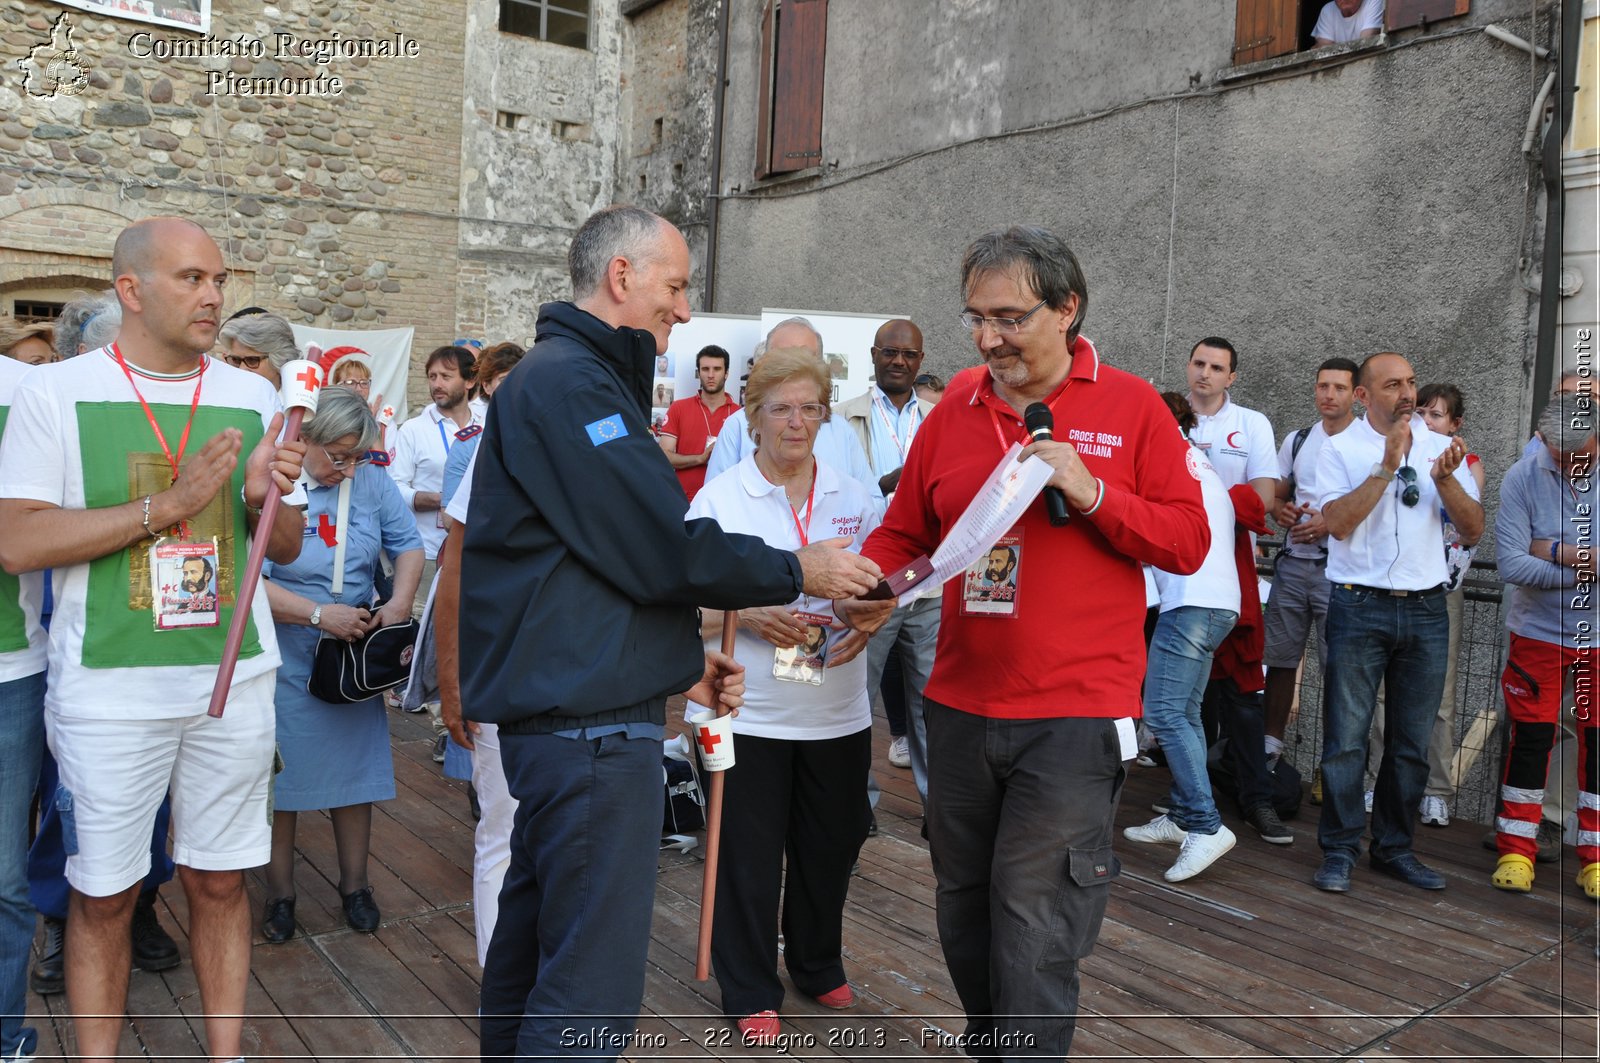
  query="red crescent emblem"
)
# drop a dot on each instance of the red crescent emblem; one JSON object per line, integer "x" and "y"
{"x": 1231, "y": 443}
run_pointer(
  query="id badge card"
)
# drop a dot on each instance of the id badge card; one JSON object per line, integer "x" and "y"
{"x": 807, "y": 662}
{"x": 183, "y": 579}
{"x": 989, "y": 587}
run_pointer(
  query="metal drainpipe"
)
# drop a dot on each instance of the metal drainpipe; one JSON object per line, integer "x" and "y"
{"x": 715, "y": 195}
{"x": 1545, "y": 351}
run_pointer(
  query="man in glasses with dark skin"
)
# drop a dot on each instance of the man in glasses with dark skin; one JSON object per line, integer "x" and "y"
{"x": 886, "y": 420}
{"x": 1382, "y": 483}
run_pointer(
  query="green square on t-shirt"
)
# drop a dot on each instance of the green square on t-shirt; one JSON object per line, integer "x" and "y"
{"x": 116, "y": 447}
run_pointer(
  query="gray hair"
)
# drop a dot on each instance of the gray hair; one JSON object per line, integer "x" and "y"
{"x": 1568, "y": 422}
{"x": 1042, "y": 259}
{"x": 618, "y": 231}
{"x": 341, "y": 412}
{"x": 267, "y": 333}
{"x": 803, "y": 323}
{"x": 87, "y": 322}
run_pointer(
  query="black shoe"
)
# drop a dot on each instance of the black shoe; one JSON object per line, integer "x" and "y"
{"x": 1333, "y": 876}
{"x": 277, "y": 922}
{"x": 872, "y": 824}
{"x": 472, "y": 802}
{"x": 48, "y": 976}
{"x": 360, "y": 912}
{"x": 1264, "y": 818}
{"x": 153, "y": 947}
{"x": 1408, "y": 869}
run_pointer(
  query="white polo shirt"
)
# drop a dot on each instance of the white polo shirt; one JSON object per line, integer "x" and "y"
{"x": 1397, "y": 547}
{"x": 421, "y": 447}
{"x": 1238, "y": 443}
{"x": 1215, "y": 584}
{"x": 744, "y": 500}
{"x": 1304, "y": 468}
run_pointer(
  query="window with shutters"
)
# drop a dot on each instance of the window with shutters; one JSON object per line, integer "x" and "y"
{"x": 1267, "y": 29}
{"x": 794, "y": 36}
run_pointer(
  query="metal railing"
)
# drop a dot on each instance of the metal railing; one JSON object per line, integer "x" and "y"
{"x": 1478, "y": 731}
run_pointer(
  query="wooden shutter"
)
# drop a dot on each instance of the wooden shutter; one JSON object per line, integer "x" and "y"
{"x": 1265, "y": 29}
{"x": 793, "y": 48}
{"x": 1403, "y": 14}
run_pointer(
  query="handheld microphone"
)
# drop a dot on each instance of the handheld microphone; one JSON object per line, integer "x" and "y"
{"x": 1041, "y": 424}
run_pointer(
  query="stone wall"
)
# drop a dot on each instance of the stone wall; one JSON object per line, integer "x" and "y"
{"x": 338, "y": 209}
{"x": 1376, "y": 201}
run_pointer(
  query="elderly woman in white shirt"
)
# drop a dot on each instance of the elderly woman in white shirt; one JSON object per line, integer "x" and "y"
{"x": 798, "y": 788}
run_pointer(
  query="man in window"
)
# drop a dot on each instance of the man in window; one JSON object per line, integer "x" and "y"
{"x": 1342, "y": 21}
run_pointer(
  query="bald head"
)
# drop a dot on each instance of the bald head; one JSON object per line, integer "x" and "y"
{"x": 795, "y": 332}
{"x": 138, "y": 245}
{"x": 897, "y": 358}
{"x": 169, "y": 279}
{"x": 1387, "y": 386}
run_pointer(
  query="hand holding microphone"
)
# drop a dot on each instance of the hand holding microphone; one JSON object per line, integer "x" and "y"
{"x": 1041, "y": 425}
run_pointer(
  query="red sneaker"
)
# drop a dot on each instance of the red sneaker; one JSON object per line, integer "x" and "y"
{"x": 838, "y": 999}
{"x": 760, "y": 1028}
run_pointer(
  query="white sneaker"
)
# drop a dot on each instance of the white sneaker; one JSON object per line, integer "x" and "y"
{"x": 1199, "y": 852}
{"x": 1160, "y": 829}
{"x": 900, "y": 752}
{"x": 1435, "y": 812}
{"x": 1368, "y": 800}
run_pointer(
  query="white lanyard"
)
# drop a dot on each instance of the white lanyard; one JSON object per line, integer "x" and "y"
{"x": 916, "y": 421}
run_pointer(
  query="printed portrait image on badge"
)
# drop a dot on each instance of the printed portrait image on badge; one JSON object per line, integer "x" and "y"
{"x": 805, "y": 663}
{"x": 184, "y": 585}
{"x": 989, "y": 586}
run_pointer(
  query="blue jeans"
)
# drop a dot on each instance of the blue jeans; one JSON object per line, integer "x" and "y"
{"x": 565, "y": 971}
{"x": 1180, "y": 655}
{"x": 1404, "y": 643}
{"x": 1019, "y": 823}
{"x": 21, "y": 740}
{"x": 914, "y": 629}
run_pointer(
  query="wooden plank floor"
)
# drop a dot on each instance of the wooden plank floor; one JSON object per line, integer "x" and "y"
{"x": 1246, "y": 962}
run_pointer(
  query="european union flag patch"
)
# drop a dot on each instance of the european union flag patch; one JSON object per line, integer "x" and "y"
{"x": 606, "y": 429}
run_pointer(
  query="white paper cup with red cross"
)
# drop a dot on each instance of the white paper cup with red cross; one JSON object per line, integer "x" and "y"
{"x": 713, "y": 737}
{"x": 301, "y": 382}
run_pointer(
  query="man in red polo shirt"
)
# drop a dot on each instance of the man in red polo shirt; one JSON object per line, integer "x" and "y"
{"x": 693, "y": 423}
{"x": 1030, "y": 706}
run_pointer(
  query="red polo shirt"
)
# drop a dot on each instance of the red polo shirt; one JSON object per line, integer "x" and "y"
{"x": 1076, "y": 647}
{"x": 692, "y": 423}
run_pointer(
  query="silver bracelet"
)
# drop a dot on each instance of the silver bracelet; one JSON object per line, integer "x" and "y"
{"x": 149, "y": 531}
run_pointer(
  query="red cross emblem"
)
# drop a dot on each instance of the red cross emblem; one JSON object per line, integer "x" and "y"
{"x": 327, "y": 531}
{"x": 708, "y": 741}
{"x": 308, "y": 376}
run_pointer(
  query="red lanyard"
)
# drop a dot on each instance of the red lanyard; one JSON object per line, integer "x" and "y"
{"x": 183, "y": 442}
{"x": 994, "y": 419}
{"x": 804, "y": 531}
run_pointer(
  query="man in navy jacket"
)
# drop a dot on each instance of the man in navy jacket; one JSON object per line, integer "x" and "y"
{"x": 580, "y": 582}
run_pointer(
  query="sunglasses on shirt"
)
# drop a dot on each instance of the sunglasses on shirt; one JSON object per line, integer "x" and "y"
{"x": 1410, "y": 493}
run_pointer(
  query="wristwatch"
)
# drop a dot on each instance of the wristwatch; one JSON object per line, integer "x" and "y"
{"x": 1379, "y": 472}
{"x": 316, "y": 617}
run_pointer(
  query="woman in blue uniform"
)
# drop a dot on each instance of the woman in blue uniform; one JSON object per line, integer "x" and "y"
{"x": 336, "y": 756}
